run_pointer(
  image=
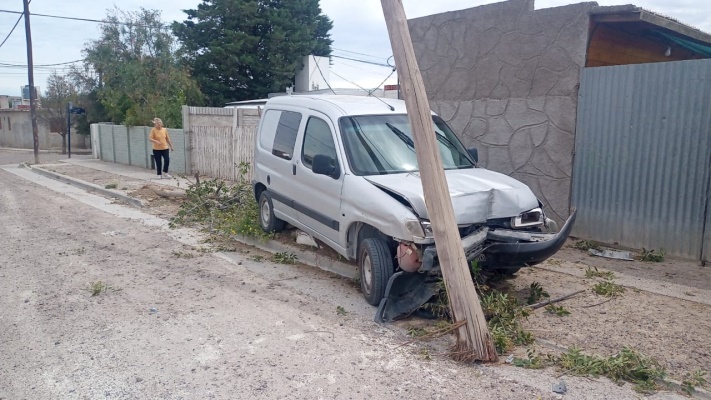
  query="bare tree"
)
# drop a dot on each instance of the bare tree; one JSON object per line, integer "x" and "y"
{"x": 53, "y": 110}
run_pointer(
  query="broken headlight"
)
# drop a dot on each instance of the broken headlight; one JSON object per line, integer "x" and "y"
{"x": 528, "y": 219}
{"x": 420, "y": 230}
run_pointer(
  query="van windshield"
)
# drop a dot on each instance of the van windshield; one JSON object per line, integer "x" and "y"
{"x": 383, "y": 144}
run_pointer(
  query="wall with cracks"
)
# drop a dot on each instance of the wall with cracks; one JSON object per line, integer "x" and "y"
{"x": 505, "y": 77}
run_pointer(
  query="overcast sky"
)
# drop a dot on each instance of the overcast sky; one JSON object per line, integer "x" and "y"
{"x": 358, "y": 32}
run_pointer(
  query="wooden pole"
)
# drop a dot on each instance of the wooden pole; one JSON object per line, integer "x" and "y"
{"x": 473, "y": 338}
{"x": 31, "y": 78}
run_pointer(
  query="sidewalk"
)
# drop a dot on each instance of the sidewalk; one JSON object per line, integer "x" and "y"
{"x": 128, "y": 171}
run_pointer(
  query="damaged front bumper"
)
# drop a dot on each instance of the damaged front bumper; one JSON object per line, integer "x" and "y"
{"x": 504, "y": 248}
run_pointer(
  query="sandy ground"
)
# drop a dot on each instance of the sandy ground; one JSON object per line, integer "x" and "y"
{"x": 181, "y": 323}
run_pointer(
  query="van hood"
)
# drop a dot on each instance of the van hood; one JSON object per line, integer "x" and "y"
{"x": 477, "y": 194}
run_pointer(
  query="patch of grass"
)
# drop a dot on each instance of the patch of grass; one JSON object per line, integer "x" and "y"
{"x": 416, "y": 332}
{"x": 181, "y": 254}
{"x": 627, "y": 365}
{"x": 536, "y": 293}
{"x": 692, "y": 381}
{"x": 504, "y": 316}
{"x": 586, "y": 245}
{"x": 595, "y": 273}
{"x": 111, "y": 186}
{"x": 652, "y": 255}
{"x": 559, "y": 311}
{"x": 608, "y": 289}
{"x": 98, "y": 287}
{"x": 425, "y": 353}
{"x": 124, "y": 188}
{"x": 257, "y": 258}
{"x": 341, "y": 311}
{"x": 284, "y": 258}
{"x": 533, "y": 360}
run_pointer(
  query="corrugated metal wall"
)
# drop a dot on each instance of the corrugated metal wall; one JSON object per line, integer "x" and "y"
{"x": 643, "y": 157}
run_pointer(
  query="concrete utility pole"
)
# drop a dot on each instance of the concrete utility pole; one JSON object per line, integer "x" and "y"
{"x": 473, "y": 337}
{"x": 31, "y": 76}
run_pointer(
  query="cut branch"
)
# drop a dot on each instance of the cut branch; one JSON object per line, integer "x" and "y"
{"x": 556, "y": 300}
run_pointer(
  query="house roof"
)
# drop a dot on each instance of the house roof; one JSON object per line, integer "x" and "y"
{"x": 632, "y": 13}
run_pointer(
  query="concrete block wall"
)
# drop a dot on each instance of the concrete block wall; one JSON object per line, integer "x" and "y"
{"x": 130, "y": 145}
{"x": 505, "y": 77}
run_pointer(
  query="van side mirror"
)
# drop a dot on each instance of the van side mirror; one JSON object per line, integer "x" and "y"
{"x": 325, "y": 165}
{"x": 474, "y": 153}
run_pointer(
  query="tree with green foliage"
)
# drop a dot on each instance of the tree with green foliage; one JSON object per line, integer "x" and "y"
{"x": 53, "y": 106}
{"x": 134, "y": 72}
{"x": 246, "y": 49}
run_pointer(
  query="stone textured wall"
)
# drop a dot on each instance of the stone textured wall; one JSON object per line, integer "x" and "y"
{"x": 505, "y": 77}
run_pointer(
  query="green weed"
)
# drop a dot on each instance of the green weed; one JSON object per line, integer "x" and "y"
{"x": 557, "y": 310}
{"x": 652, "y": 256}
{"x": 693, "y": 380}
{"x": 536, "y": 293}
{"x": 284, "y": 258}
{"x": 595, "y": 273}
{"x": 111, "y": 186}
{"x": 608, "y": 289}
{"x": 98, "y": 287}
{"x": 341, "y": 311}
{"x": 627, "y": 365}
{"x": 586, "y": 245}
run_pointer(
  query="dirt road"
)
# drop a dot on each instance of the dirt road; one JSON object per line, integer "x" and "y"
{"x": 177, "y": 323}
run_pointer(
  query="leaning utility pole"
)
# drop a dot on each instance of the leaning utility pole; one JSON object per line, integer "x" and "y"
{"x": 473, "y": 338}
{"x": 31, "y": 76}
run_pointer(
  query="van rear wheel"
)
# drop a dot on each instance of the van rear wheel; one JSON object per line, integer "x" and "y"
{"x": 376, "y": 267}
{"x": 268, "y": 222}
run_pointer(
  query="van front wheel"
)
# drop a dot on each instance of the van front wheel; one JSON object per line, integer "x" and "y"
{"x": 267, "y": 220}
{"x": 376, "y": 267}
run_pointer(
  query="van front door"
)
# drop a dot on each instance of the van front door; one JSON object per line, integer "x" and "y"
{"x": 322, "y": 195}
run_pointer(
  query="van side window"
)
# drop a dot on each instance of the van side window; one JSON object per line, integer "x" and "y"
{"x": 286, "y": 131}
{"x": 317, "y": 140}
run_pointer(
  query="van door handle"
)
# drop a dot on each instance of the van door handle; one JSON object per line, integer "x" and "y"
{"x": 293, "y": 169}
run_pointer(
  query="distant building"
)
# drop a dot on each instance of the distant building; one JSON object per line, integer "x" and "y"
{"x": 12, "y": 102}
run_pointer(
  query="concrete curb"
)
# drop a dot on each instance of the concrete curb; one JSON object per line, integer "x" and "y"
{"x": 85, "y": 185}
{"x": 304, "y": 256}
{"x": 670, "y": 384}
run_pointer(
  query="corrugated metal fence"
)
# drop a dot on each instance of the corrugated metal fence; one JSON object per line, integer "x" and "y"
{"x": 221, "y": 140}
{"x": 643, "y": 157}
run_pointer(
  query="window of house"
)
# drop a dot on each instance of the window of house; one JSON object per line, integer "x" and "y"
{"x": 286, "y": 131}
{"x": 317, "y": 140}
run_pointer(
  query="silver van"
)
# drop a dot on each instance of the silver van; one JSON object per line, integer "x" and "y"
{"x": 344, "y": 170}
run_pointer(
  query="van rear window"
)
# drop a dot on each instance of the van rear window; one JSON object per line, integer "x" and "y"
{"x": 285, "y": 138}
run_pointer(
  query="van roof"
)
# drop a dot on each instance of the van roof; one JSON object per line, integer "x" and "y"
{"x": 342, "y": 104}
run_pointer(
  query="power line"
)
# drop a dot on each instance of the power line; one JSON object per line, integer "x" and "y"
{"x": 41, "y": 65}
{"x": 363, "y": 61}
{"x": 321, "y": 72}
{"x": 354, "y": 52}
{"x": 81, "y": 19}
{"x": 13, "y": 28}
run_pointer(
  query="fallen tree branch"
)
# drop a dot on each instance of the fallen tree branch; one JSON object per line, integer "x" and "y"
{"x": 598, "y": 304}
{"x": 551, "y": 301}
{"x": 169, "y": 195}
{"x": 435, "y": 334}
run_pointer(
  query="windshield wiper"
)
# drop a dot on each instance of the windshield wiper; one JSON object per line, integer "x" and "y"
{"x": 400, "y": 134}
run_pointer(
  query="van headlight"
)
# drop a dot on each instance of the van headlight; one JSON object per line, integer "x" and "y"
{"x": 528, "y": 219}
{"x": 420, "y": 230}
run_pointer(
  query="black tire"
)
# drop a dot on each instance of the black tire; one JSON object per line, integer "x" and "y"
{"x": 267, "y": 220}
{"x": 376, "y": 267}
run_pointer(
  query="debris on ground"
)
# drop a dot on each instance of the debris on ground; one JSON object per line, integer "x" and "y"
{"x": 560, "y": 387}
{"x": 305, "y": 239}
{"x": 613, "y": 254}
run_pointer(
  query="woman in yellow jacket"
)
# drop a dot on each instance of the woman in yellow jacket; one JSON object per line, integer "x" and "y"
{"x": 161, "y": 143}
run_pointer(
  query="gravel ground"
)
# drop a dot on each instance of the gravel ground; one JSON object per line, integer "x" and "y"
{"x": 180, "y": 323}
